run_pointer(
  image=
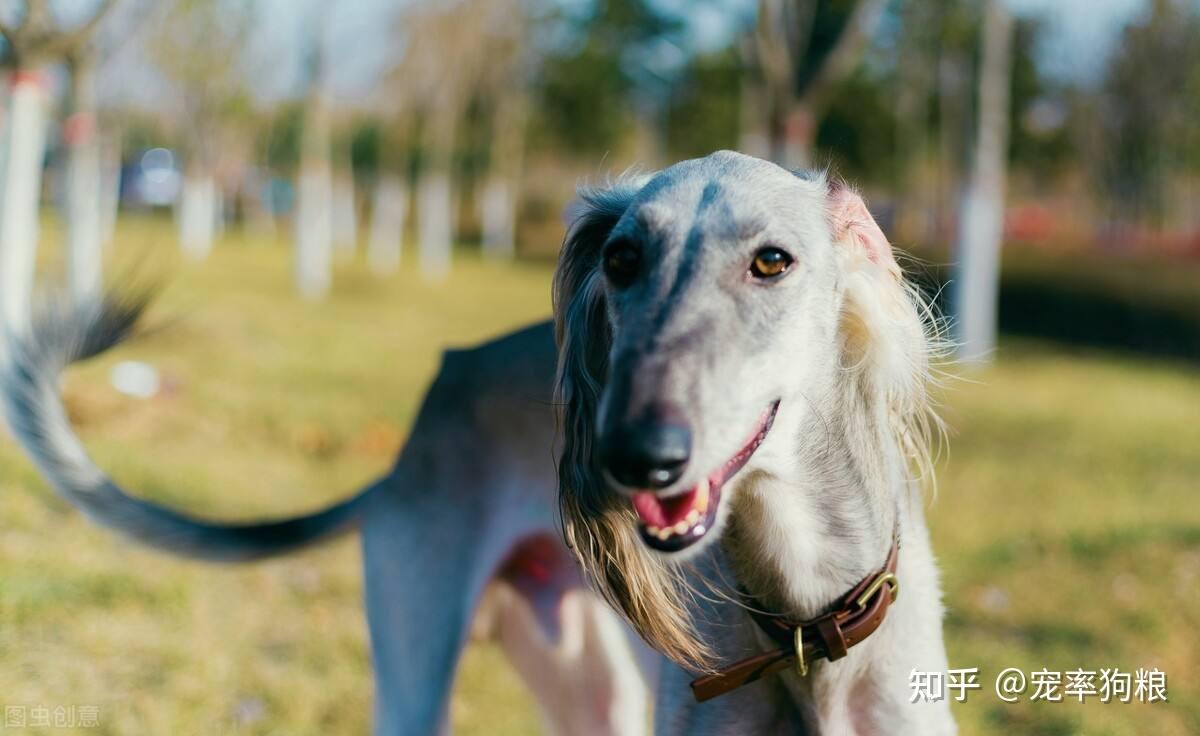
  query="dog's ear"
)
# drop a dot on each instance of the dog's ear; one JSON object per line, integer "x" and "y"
{"x": 890, "y": 335}
{"x": 852, "y": 226}
{"x": 599, "y": 529}
{"x": 581, "y": 326}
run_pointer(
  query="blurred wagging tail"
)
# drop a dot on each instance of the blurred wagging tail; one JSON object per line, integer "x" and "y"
{"x": 741, "y": 391}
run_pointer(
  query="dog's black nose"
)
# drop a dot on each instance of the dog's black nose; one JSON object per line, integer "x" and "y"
{"x": 649, "y": 453}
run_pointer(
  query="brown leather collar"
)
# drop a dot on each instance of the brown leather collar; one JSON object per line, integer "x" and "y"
{"x": 855, "y": 617}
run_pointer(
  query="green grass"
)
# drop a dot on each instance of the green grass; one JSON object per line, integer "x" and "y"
{"x": 1067, "y": 520}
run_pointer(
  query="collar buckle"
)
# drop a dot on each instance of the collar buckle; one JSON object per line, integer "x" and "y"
{"x": 887, "y": 578}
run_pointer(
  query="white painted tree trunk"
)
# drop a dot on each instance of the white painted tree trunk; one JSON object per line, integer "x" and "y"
{"x": 5, "y": 127}
{"x": 498, "y": 218}
{"x": 435, "y": 222}
{"x": 197, "y": 214}
{"x": 84, "y": 267}
{"x": 981, "y": 214}
{"x": 110, "y": 191}
{"x": 314, "y": 232}
{"x": 25, "y": 146}
{"x": 84, "y": 270}
{"x": 314, "y": 198}
{"x": 345, "y": 218}
{"x": 388, "y": 210}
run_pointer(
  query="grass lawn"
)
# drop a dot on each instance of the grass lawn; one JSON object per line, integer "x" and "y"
{"x": 1067, "y": 521}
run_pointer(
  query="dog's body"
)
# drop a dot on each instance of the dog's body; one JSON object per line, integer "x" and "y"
{"x": 468, "y": 509}
{"x": 829, "y": 364}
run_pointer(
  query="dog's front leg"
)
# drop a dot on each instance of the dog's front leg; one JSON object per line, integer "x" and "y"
{"x": 425, "y": 564}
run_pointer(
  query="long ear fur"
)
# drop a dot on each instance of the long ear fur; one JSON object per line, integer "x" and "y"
{"x": 891, "y": 337}
{"x": 646, "y": 588}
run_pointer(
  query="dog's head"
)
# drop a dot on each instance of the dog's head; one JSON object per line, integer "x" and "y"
{"x": 693, "y": 309}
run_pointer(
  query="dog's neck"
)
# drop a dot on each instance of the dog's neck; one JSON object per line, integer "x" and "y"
{"x": 803, "y": 537}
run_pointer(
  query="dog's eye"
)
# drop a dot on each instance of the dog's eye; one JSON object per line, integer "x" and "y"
{"x": 622, "y": 260}
{"x": 769, "y": 262}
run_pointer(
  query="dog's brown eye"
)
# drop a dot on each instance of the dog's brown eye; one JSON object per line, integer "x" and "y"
{"x": 622, "y": 260}
{"x": 769, "y": 262}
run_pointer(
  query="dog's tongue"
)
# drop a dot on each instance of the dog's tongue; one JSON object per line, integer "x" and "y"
{"x": 664, "y": 512}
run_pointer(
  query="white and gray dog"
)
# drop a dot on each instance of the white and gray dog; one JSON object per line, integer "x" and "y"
{"x": 743, "y": 420}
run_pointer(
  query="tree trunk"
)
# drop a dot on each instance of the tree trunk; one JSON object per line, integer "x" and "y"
{"x": 752, "y": 135}
{"x": 84, "y": 269}
{"x": 345, "y": 218}
{"x": 793, "y": 132}
{"x": 435, "y": 223}
{"x": 110, "y": 190}
{"x": 981, "y": 217}
{"x": 435, "y": 195}
{"x": 784, "y": 36}
{"x": 501, "y": 188}
{"x": 384, "y": 244}
{"x": 498, "y": 218}
{"x": 915, "y": 67}
{"x": 314, "y": 199}
{"x": 25, "y": 145}
{"x": 314, "y": 232}
{"x": 197, "y": 213}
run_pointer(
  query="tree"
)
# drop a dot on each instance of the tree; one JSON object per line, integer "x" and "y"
{"x": 35, "y": 40}
{"x": 1148, "y": 110}
{"x": 314, "y": 195}
{"x": 803, "y": 50}
{"x": 588, "y": 83}
{"x": 700, "y": 117}
{"x": 83, "y": 179}
{"x": 439, "y": 94}
{"x": 981, "y": 214}
{"x": 200, "y": 46}
{"x": 382, "y": 153}
{"x": 503, "y": 83}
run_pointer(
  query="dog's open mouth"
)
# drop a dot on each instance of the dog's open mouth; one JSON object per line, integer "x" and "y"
{"x": 670, "y": 524}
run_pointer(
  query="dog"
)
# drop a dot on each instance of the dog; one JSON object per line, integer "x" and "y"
{"x": 744, "y": 393}
{"x": 736, "y": 380}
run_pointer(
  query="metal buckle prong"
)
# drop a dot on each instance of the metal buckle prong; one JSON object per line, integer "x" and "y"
{"x": 801, "y": 665}
{"x": 886, "y": 578}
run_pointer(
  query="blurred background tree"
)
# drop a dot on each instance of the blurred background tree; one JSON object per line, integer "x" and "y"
{"x": 200, "y": 47}
{"x": 35, "y": 38}
{"x": 1146, "y": 112}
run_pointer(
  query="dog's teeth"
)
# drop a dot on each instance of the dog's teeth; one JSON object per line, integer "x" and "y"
{"x": 702, "y": 497}
{"x": 692, "y": 517}
{"x": 653, "y": 531}
{"x": 663, "y": 534}
{"x": 682, "y": 527}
